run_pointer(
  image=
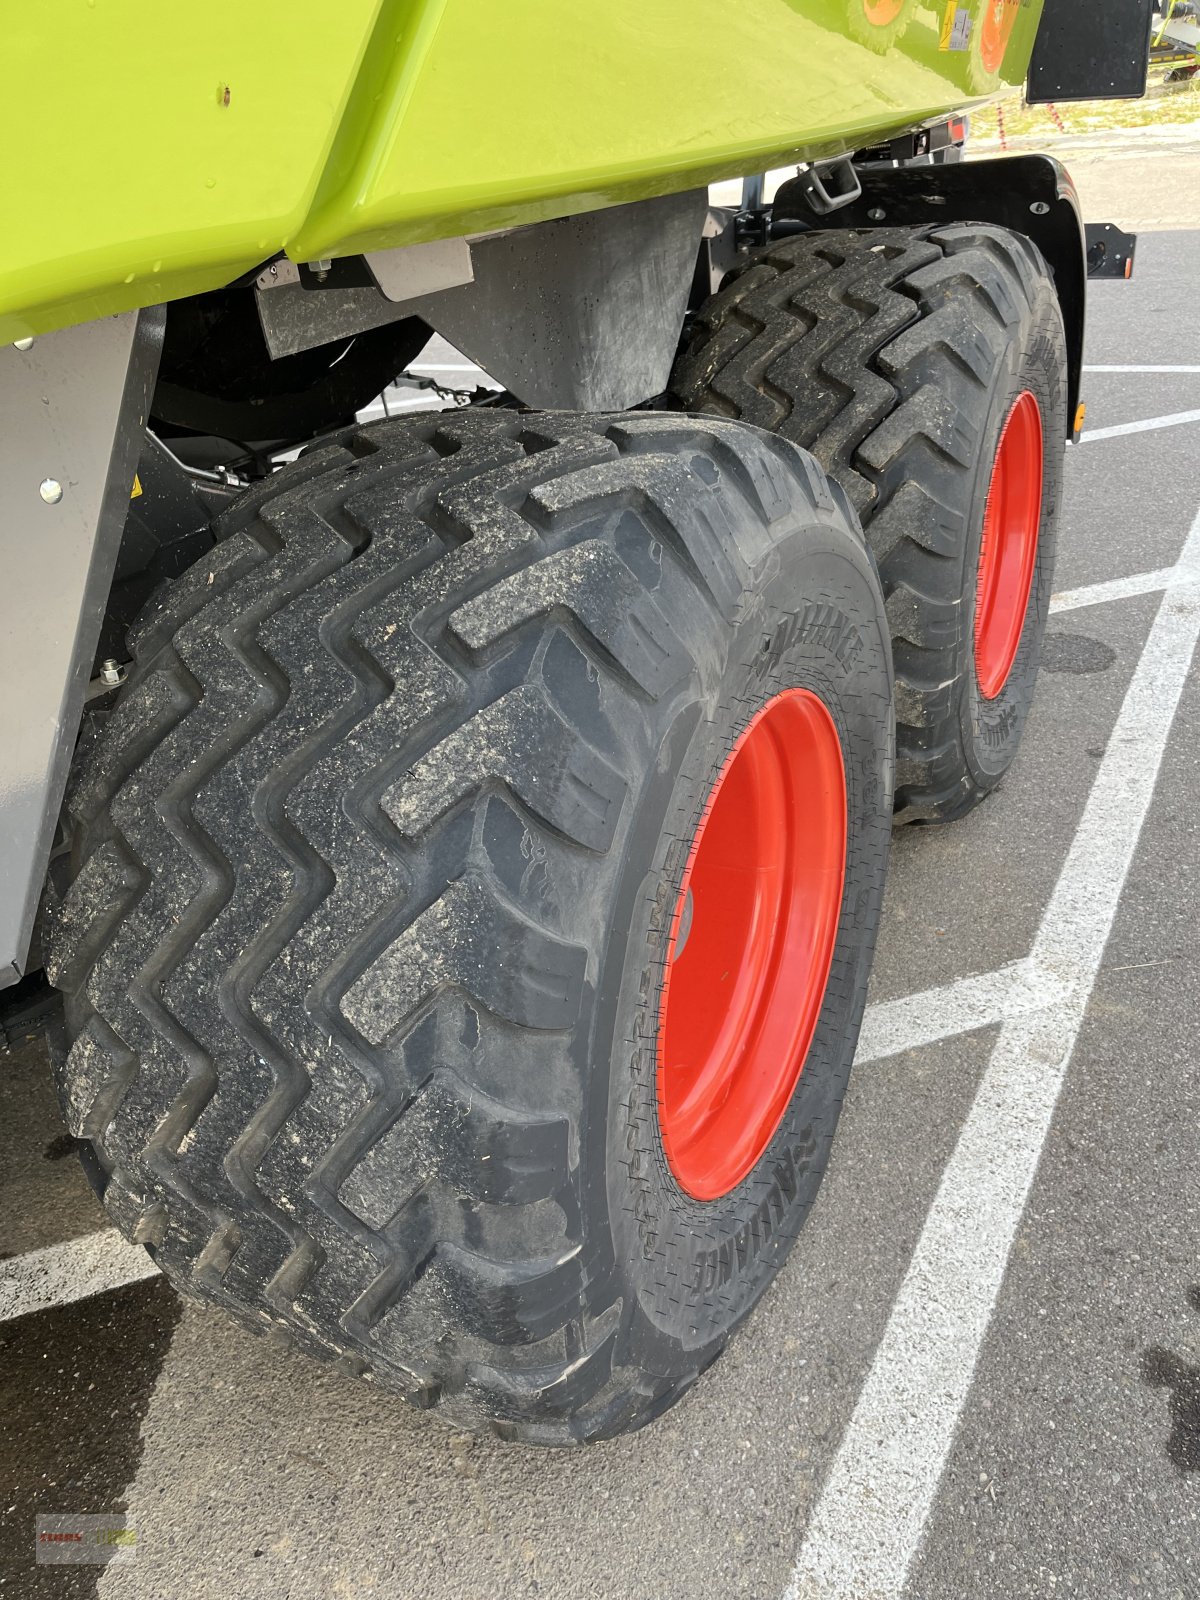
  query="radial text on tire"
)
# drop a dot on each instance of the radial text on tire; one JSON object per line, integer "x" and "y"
{"x": 900, "y": 357}
{"x": 379, "y": 866}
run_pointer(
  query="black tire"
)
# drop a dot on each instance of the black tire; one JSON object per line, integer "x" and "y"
{"x": 895, "y": 355}
{"x": 368, "y": 916}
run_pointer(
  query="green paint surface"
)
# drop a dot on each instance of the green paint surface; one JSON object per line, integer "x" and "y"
{"x": 153, "y": 150}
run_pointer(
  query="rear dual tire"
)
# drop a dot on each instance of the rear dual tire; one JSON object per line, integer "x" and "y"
{"x": 898, "y": 357}
{"x": 378, "y": 871}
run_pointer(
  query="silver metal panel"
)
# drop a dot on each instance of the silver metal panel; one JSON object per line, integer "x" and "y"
{"x": 72, "y": 410}
{"x": 719, "y": 247}
{"x": 417, "y": 269}
{"x": 583, "y": 313}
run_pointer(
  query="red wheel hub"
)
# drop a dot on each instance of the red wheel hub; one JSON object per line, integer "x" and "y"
{"x": 1008, "y": 548}
{"x": 751, "y": 943}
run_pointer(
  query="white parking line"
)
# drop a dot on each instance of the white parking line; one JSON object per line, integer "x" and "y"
{"x": 1141, "y": 369}
{"x": 868, "y": 1522}
{"x": 978, "y": 1001}
{"x": 64, "y": 1272}
{"x": 1174, "y": 420}
{"x": 1097, "y": 594}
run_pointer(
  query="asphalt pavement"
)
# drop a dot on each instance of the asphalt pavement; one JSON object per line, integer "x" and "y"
{"x": 979, "y": 1373}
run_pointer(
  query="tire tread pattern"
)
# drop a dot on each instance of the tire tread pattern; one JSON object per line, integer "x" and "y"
{"x": 851, "y": 344}
{"x": 285, "y": 893}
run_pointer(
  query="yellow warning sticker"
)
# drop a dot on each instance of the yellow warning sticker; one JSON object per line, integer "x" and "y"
{"x": 947, "y": 26}
{"x": 137, "y": 487}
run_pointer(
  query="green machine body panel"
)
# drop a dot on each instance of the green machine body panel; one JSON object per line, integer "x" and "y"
{"x": 155, "y": 151}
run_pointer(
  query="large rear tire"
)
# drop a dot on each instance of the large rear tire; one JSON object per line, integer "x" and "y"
{"x": 899, "y": 357}
{"x": 380, "y": 864}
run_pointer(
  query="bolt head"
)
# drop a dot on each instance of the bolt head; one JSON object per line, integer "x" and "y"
{"x": 23, "y": 344}
{"x": 50, "y": 490}
{"x": 876, "y": 214}
{"x": 110, "y": 672}
{"x": 1039, "y": 208}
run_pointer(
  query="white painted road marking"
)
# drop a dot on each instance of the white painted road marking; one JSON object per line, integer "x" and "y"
{"x": 1141, "y": 369}
{"x": 978, "y": 1001}
{"x": 1174, "y": 420}
{"x": 1097, "y": 594}
{"x": 869, "y": 1519}
{"x": 72, "y": 1271}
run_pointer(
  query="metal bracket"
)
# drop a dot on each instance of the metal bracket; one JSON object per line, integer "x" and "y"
{"x": 277, "y": 274}
{"x": 824, "y": 197}
{"x": 1109, "y": 250}
{"x": 718, "y": 253}
{"x": 751, "y": 229}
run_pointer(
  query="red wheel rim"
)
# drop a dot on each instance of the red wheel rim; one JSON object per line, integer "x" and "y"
{"x": 751, "y": 944}
{"x": 1008, "y": 548}
{"x": 879, "y": 13}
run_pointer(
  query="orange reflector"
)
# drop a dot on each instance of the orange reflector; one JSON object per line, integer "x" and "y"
{"x": 1129, "y": 267}
{"x": 1080, "y": 413}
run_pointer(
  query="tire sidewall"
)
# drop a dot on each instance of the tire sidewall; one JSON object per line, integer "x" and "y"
{"x": 688, "y": 1271}
{"x": 991, "y": 729}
